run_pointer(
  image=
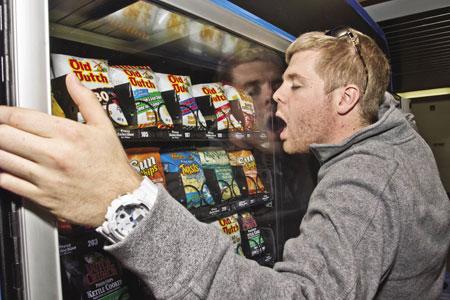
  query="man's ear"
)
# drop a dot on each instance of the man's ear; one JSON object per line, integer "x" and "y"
{"x": 348, "y": 98}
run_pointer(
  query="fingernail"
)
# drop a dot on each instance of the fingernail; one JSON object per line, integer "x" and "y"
{"x": 74, "y": 78}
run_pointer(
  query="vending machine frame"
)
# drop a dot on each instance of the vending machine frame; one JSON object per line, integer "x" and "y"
{"x": 26, "y": 71}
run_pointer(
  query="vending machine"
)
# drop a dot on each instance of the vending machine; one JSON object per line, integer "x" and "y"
{"x": 187, "y": 85}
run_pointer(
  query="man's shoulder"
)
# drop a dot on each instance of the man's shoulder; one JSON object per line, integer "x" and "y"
{"x": 383, "y": 150}
{"x": 367, "y": 157}
{"x": 360, "y": 168}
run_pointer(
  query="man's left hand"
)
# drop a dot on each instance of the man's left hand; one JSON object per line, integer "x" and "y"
{"x": 74, "y": 170}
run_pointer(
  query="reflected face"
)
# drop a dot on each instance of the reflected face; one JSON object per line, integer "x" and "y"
{"x": 259, "y": 79}
{"x": 303, "y": 104}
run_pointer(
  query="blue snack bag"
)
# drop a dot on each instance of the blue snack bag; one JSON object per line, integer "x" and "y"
{"x": 184, "y": 168}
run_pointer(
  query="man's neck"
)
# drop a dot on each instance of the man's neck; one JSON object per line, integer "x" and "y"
{"x": 346, "y": 127}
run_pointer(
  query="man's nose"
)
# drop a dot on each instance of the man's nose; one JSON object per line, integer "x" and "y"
{"x": 277, "y": 95}
{"x": 267, "y": 93}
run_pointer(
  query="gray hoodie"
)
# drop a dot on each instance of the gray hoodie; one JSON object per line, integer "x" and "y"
{"x": 377, "y": 226}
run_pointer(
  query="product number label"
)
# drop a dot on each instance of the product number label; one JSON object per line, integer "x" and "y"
{"x": 93, "y": 243}
{"x": 102, "y": 97}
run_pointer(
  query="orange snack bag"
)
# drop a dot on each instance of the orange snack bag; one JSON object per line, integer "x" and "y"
{"x": 244, "y": 159}
{"x": 147, "y": 162}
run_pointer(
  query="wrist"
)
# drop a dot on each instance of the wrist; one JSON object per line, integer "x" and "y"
{"x": 126, "y": 211}
{"x": 129, "y": 184}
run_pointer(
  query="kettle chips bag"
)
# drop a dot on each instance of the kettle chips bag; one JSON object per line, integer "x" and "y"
{"x": 87, "y": 271}
{"x": 253, "y": 242}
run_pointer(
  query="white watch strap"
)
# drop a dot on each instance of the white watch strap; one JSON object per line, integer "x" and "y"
{"x": 126, "y": 211}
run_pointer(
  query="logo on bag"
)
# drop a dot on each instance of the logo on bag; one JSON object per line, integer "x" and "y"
{"x": 85, "y": 72}
{"x": 248, "y": 161}
{"x": 178, "y": 84}
{"x": 140, "y": 80}
{"x": 146, "y": 167}
{"x": 228, "y": 226}
{"x": 189, "y": 169}
{"x": 216, "y": 95}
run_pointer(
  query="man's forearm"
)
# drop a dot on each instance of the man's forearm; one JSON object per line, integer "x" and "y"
{"x": 177, "y": 256}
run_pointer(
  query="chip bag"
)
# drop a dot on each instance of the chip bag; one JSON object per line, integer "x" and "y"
{"x": 183, "y": 169}
{"x": 242, "y": 107}
{"x": 141, "y": 84}
{"x": 93, "y": 74}
{"x": 147, "y": 162}
{"x": 175, "y": 90}
{"x": 244, "y": 160}
{"x": 87, "y": 271}
{"x": 230, "y": 226}
{"x": 217, "y": 161}
{"x": 212, "y": 96}
{"x": 253, "y": 243}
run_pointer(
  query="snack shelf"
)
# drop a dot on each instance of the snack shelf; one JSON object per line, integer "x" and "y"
{"x": 158, "y": 135}
{"x": 211, "y": 213}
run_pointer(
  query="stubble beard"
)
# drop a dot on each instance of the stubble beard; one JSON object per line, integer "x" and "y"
{"x": 305, "y": 134}
{"x": 294, "y": 142}
{"x": 295, "y": 146}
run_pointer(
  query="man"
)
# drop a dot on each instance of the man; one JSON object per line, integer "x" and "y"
{"x": 377, "y": 223}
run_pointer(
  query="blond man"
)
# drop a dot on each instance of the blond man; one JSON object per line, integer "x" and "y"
{"x": 376, "y": 226}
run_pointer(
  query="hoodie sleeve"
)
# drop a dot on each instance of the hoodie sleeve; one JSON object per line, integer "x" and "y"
{"x": 341, "y": 253}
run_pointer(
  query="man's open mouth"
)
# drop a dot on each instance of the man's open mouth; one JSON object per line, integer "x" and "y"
{"x": 275, "y": 124}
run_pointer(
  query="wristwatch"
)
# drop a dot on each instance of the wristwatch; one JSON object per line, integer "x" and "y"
{"x": 126, "y": 211}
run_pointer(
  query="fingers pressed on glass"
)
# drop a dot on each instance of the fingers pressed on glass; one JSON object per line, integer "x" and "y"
{"x": 24, "y": 144}
{"x": 19, "y": 186}
{"x": 20, "y": 167}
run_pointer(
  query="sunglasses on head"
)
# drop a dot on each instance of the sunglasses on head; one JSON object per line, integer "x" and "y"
{"x": 345, "y": 32}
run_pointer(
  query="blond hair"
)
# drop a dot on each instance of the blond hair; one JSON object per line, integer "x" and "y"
{"x": 340, "y": 64}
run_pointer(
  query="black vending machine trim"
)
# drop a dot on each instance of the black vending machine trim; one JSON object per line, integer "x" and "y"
{"x": 10, "y": 265}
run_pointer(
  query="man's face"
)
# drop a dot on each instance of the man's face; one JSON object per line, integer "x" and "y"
{"x": 258, "y": 79}
{"x": 303, "y": 104}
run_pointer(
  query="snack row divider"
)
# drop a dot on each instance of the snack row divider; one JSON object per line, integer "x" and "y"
{"x": 227, "y": 208}
{"x": 159, "y": 135}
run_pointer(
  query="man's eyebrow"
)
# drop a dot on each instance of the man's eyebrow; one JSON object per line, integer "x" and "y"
{"x": 292, "y": 76}
{"x": 253, "y": 82}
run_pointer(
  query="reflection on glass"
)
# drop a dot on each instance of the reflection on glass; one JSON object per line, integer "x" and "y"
{"x": 141, "y": 20}
{"x": 257, "y": 71}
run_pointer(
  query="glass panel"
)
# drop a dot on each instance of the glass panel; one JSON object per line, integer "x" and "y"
{"x": 192, "y": 105}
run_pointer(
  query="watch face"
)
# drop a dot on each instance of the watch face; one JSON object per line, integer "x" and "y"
{"x": 127, "y": 217}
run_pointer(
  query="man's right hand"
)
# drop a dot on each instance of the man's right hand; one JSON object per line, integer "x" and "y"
{"x": 74, "y": 170}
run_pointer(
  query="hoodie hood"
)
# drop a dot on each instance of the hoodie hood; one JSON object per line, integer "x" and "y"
{"x": 392, "y": 121}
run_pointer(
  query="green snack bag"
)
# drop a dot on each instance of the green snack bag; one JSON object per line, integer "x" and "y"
{"x": 218, "y": 162}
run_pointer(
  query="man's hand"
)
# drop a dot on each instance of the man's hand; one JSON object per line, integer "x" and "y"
{"x": 75, "y": 170}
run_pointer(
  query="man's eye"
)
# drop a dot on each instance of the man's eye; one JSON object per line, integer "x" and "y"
{"x": 276, "y": 84}
{"x": 295, "y": 87}
{"x": 253, "y": 91}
